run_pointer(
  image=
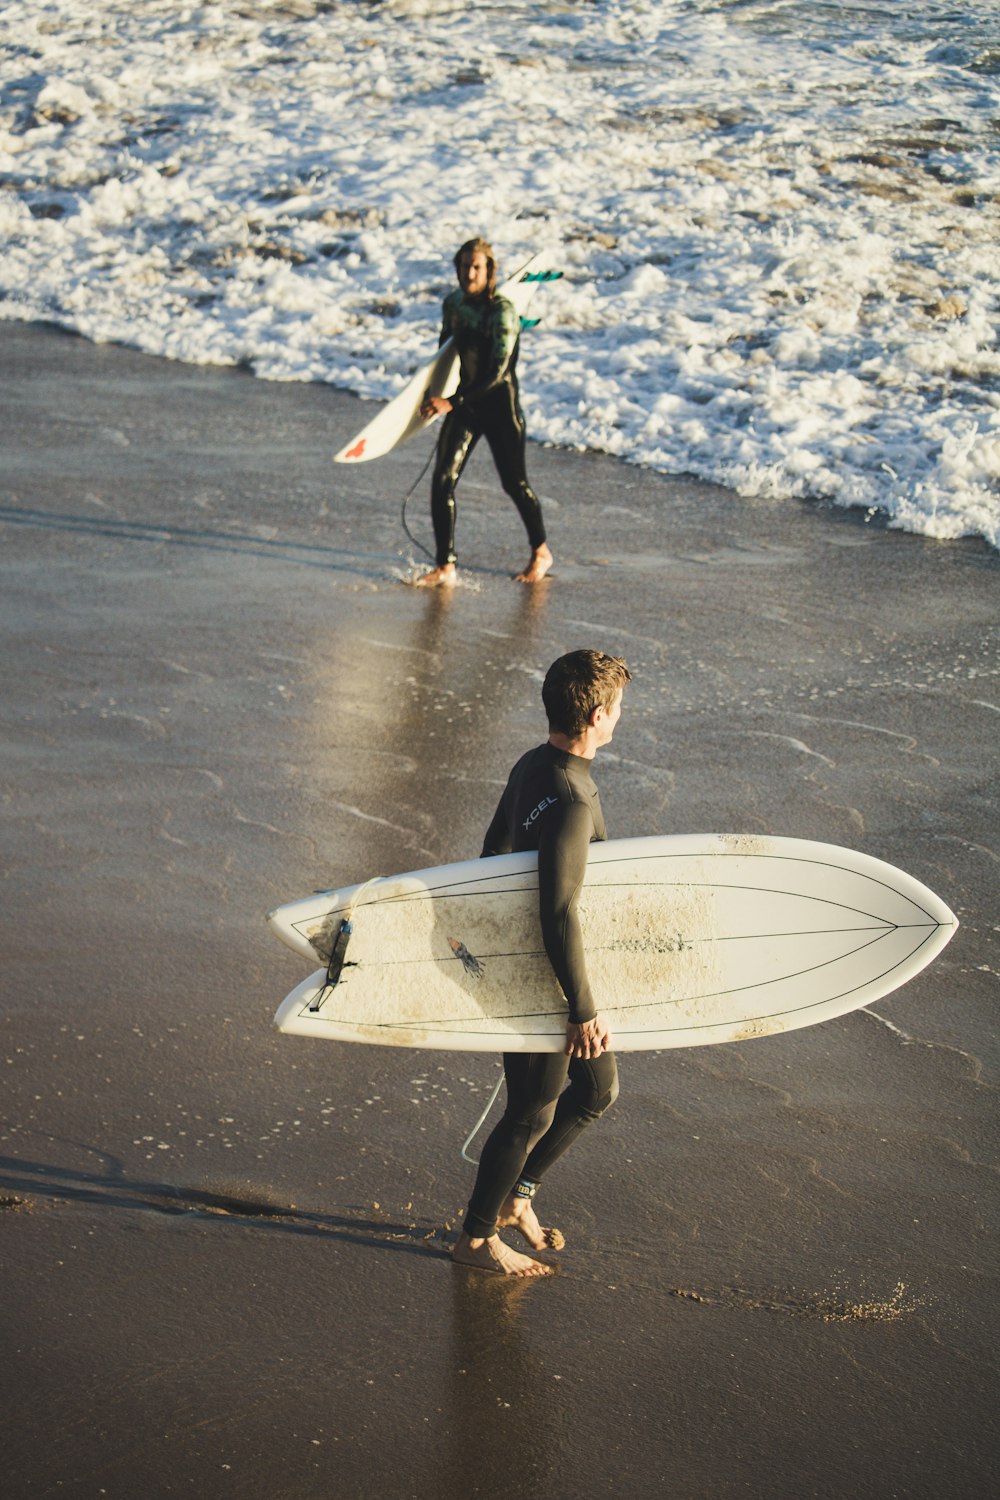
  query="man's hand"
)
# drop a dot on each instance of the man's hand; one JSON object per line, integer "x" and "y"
{"x": 588, "y": 1038}
{"x": 435, "y": 406}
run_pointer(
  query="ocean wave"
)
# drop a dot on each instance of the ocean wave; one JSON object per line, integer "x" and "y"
{"x": 778, "y": 222}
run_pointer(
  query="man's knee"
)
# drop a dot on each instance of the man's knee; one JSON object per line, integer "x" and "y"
{"x": 524, "y": 1127}
{"x": 607, "y": 1099}
{"x": 594, "y": 1097}
{"x": 520, "y": 491}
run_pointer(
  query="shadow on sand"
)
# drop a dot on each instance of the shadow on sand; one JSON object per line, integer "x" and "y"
{"x": 23, "y": 1182}
{"x": 304, "y": 554}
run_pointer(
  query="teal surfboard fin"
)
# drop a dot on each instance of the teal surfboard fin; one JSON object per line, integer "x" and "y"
{"x": 530, "y": 322}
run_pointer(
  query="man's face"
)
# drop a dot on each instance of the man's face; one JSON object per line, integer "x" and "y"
{"x": 473, "y": 272}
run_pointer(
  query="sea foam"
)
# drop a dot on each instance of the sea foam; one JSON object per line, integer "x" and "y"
{"x": 778, "y": 222}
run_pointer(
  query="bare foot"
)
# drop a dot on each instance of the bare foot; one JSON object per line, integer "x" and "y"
{"x": 518, "y": 1213}
{"x": 540, "y": 563}
{"x": 444, "y": 577}
{"x": 494, "y": 1255}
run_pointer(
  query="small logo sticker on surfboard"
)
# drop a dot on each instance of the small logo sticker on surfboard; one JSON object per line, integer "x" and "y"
{"x": 357, "y": 450}
{"x": 470, "y": 963}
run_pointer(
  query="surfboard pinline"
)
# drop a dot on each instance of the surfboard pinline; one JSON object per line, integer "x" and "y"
{"x": 690, "y": 940}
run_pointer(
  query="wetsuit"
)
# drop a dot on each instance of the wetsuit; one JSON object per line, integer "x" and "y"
{"x": 550, "y": 804}
{"x": 486, "y": 404}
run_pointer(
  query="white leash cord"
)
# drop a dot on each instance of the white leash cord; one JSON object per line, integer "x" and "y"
{"x": 480, "y": 1123}
{"x": 373, "y": 880}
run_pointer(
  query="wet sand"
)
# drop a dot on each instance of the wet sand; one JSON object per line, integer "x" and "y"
{"x": 224, "y": 1251}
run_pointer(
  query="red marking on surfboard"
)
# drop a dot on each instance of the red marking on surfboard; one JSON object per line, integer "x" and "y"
{"x": 357, "y": 450}
{"x": 470, "y": 963}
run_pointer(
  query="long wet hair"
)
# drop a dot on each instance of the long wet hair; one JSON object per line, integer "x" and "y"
{"x": 473, "y": 247}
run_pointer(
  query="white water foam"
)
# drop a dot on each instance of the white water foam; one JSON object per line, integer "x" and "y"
{"x": 778, "y": 220}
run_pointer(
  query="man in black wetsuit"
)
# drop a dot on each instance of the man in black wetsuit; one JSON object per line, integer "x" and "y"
{"x": 550, "y": 804}
{"x": 486, "y": 328}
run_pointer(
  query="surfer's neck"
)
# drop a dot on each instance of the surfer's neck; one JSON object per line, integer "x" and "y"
{"x": 580, "y": 745}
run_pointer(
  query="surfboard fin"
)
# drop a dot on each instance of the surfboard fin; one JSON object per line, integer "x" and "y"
{"x": 530, "y": 322}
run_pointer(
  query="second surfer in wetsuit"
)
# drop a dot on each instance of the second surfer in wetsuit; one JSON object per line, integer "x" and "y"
{"x": 550, "y": 804}
{"x": 486, "y": 328}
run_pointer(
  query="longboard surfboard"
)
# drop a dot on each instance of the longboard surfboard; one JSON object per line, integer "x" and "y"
{"x": 401, "y": 419}
{"x": 690, "y": 940}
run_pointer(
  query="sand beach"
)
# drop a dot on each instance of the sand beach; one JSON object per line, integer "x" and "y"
{"x": 224, "y": 1251}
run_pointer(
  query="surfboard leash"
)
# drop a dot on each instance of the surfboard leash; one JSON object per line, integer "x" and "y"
{"x": 473, "y": 1160}
{"x": 407, "y": 496}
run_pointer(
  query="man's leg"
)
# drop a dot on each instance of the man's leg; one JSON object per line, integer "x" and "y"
{"x": 506, "y": 435}
{"x": 534, "y": 1083}
{"x": 593, "y": 1088}
{"x": 455, "y": 445}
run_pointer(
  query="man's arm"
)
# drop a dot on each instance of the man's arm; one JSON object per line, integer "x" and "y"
{"x": 562, "y": 865}
{"x": 497, "y": 840}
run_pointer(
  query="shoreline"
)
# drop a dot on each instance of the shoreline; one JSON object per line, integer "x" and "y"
{"x": 876, "y": 516}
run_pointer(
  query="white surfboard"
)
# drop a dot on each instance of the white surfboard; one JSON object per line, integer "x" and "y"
{"x": 689, "y": 940}
{"x": 439, "y": 377}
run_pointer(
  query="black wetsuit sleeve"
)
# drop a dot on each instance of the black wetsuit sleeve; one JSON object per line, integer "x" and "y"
{"x": 562, "y": 864}
{"x": 497, "y": 840}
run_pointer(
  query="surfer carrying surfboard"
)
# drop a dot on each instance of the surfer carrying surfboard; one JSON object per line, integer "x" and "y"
{"x": 486, "y": 330}
{"x": 551, "y": 805}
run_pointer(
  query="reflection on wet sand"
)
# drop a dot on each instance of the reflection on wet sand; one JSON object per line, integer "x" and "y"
{"x": 505, "y": 1408}
{"x": 445, "y": 683}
